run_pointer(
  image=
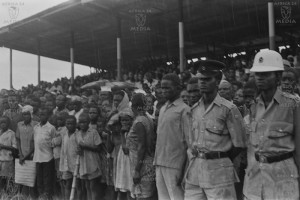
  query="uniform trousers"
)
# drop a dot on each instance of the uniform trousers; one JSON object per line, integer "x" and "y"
{"x": 195, "y": 192}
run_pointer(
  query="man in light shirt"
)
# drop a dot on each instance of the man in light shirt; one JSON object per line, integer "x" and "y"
{"x": 44, "y": 132}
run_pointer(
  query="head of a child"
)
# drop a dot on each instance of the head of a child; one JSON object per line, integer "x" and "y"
{"x": 94, "y": 113}
{"x": 71, "y": 123}
{"x": 44, "y": 115}
{"x": 100, "y": 124}
{"x": 84, "y": 122}
{"x": 61, "y": 119}
{"x": 4, "y": 123}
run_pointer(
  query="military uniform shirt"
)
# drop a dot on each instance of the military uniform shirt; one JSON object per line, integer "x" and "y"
{"x": 218, "y": 128}
{"x": 272, "y": 133}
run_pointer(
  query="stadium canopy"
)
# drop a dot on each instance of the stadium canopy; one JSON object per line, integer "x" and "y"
{"x": 148, "y": 29}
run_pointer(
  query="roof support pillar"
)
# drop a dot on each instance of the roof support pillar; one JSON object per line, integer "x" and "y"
{"x": 39, "y": 63}
{"x": 119, "y": 53}
{"x": 181, "y": 37}
{"x": 72, "y": 58}
{"x": 271, "y": 25}
{"x": 11, "y": 66}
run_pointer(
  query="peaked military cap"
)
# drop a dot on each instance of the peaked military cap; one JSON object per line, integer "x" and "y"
{"x": 210, "y": 66}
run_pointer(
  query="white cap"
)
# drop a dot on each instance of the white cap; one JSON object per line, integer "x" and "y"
{"x": 267, "y": 61}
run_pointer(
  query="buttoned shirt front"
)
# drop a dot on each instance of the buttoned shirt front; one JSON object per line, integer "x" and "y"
{"x": 217, "y": 128}
{"x": 172, "y": 132}
{"x": 272, "y": 127}
{"x": 25, "y": 133}
{"x": 43, "y": 135}
{"x": 68, "y": 152}
{"x": 272, "y": 133}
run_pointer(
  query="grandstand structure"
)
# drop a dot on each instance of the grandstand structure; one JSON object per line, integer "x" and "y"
{"x": 109, "y": 34}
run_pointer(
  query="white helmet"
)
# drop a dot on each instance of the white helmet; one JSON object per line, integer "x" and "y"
{"x": 267, "y": 61}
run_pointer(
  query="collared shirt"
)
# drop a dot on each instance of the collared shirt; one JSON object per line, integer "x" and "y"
{"x": 217, "y": 128}
{"x": 7, "y": 138}
{"x": 272, "y": 133}
{"x": 43, "y": 135}
{"x": 68, "y": 152}
{"x": 272, "y": 128}
{"x": 172, "y": 131}
{"x": 25, "y": 134}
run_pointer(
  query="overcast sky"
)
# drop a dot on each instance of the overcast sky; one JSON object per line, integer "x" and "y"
{"x": 24, "y": 64}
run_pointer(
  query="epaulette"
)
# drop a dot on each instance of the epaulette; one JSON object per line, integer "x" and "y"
{"x": 227, "y": 103}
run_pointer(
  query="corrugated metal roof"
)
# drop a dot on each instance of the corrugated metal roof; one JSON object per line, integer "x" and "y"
{"x": 221, "y": 24}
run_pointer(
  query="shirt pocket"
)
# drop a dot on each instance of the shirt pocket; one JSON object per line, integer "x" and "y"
{"x": 280, "y": 130}
{"x": 216, "y": 127}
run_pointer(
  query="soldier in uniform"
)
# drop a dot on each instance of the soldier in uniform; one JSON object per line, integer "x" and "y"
{"x": 217, "y": 136}
{"x": 273, "y": 156}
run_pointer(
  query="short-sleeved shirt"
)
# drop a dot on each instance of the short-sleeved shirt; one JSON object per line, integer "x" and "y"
{"x": 272, "y": 133}
{"x": 217, "y": 128}
{"x": 89, "y": 161}
{"x": 25, "y": 133}
{"x": 272, "y": 128}
{"x": 7, "y": 138}
{"x": 172, "y": 131}
{"x": 43, "y": 135}
{"x": 68, "y": 152}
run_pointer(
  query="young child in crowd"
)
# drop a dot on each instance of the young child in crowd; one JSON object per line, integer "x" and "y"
{"x": 56, "y": 144}
{"x": 89, "y": 143}
{"x": 8, "y": 148}
{"x": 68, "y": 157}
{"x": 44, "y": 132}
{"x": 94, "y": 113}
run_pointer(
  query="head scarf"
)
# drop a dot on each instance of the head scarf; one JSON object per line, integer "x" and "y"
{"x": 124, "y": 104}
{"x": 27, "y": 108}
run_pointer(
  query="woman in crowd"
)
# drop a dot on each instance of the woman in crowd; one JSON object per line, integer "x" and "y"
{"x": 141, "y": 144}
{"x": 120, "y": 103}
{"x": 123, "y": 176}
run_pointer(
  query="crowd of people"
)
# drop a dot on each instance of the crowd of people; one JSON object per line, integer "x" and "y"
{"x": 189, "y": 135}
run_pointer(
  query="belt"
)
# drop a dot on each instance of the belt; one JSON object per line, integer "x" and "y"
{"x": 271, "y": 159}
{"x": 210, "y": 155}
